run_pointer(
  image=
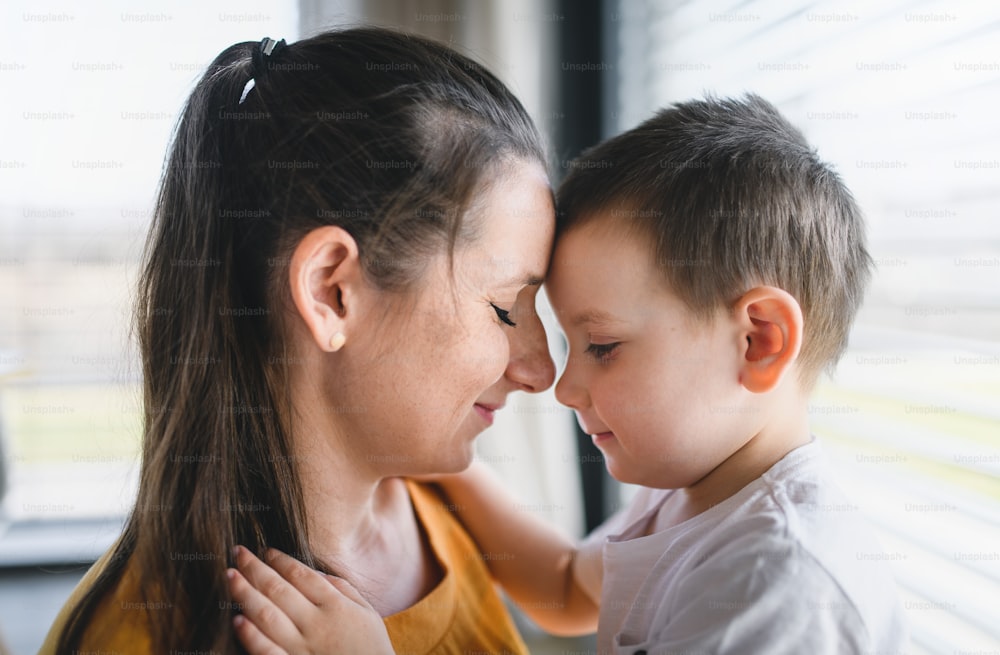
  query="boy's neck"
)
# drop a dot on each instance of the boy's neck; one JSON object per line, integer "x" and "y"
{"x": 762, "y": 451}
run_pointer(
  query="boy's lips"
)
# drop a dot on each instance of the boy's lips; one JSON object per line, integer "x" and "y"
{"x": 602, "y": 437}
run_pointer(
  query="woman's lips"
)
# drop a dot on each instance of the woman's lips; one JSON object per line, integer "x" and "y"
{"x": 486, "y": 412}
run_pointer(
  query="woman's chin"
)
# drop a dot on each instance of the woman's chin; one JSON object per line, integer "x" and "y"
{"x": 459, "y": 460}
{"x": 449, "y": 460}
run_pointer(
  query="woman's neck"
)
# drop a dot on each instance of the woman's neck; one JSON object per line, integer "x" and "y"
{"x": 360, "y": 525}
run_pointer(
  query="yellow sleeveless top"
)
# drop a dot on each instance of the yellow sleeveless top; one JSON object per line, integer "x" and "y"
{"x": 463, "y": 614}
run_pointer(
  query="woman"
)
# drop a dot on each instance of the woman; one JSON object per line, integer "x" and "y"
{"x": 338, "y": 290}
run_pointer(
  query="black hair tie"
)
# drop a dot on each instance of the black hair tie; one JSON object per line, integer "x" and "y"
{"x": 267, "y": 49}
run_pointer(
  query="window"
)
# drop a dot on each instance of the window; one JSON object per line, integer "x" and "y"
{"x": 900, "y": 97}
{"x": 92, "y": 94}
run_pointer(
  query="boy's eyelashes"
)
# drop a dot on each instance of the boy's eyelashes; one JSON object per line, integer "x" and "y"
{"x": 602, "y": 351}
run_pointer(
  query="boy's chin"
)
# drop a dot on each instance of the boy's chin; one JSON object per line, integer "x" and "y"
{"x": 622, "y": 473}
{"x": 631, "y": 475}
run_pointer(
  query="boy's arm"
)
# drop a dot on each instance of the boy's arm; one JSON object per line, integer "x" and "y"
{"x": 531, "y": 559}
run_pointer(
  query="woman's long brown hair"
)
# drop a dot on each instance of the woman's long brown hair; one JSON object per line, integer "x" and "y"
{"x": 386, "y": 135}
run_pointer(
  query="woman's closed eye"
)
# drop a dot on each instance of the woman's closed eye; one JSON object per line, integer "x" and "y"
{"x": 602, "y": 351}
{"x": 503, "y": 315}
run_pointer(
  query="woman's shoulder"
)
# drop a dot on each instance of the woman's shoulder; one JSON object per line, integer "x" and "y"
{"x": 119, "y": 622}
{"x": 449, "y": 540}
{"x": 451, "y": 543}
{"x": 464, "y": 613}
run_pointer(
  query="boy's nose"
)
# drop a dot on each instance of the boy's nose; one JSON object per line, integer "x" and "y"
{"x": 531, "y": 366}
{"x": 568, "y": 389}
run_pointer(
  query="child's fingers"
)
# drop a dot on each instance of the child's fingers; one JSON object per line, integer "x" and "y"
{"x": 267, "y": 618}
{"x": 255, "y": 641}
{"x": 363, "y": 617}
{"x": 266, "y": 581}
{"x": 308, "y": 581}
{"x": 348, "y": 590}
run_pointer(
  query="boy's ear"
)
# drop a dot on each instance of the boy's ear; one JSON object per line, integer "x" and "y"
{"x": 323, "y": 274}
{"x": 770, "y": 329}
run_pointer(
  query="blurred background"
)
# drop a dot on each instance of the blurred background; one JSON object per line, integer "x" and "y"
{"x": 900, "y": 95}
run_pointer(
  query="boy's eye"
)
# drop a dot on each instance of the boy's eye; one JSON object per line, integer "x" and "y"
{"x": 601, "y": 351}
{"x": 503, "y": 315}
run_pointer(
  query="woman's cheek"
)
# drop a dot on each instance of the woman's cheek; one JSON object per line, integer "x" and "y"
{"x": 502, "y": 354}
{"x": 488, "y": 349}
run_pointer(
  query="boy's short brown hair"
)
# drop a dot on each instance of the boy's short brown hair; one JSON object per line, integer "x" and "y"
{"x": 730, "y": 196}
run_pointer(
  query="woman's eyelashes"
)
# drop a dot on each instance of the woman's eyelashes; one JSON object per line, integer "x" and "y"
{"x": 503, "y": 315}
{"x": 602, "y": 351}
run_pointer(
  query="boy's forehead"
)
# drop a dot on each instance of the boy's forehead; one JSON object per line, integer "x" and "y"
{"x": 598, "y": 242}
{"x": 595, "y": 262}
{"x": 578, "y": 253}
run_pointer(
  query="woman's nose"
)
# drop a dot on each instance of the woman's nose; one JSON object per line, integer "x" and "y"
{"x": 531, "y": 366}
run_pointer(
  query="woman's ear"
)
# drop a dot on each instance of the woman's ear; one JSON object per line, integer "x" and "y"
{"x": 323, "y": 274}
{"x": 770, "y": 331}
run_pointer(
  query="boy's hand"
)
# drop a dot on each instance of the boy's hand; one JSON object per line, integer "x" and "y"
{"x": 531, "y": 559}
{"x": 292, "y": 608}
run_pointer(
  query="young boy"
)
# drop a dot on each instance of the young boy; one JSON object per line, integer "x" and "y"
{"x": 708, "y": 267}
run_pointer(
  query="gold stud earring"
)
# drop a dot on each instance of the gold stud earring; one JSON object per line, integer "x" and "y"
{"x": 337, "y": 341}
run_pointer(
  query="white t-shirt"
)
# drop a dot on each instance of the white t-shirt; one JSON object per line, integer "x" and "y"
{"x": 786, "y": 565}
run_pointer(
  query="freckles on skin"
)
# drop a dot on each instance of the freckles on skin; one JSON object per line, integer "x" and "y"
{"x": 504, "y": 267}
{"x": 461, "y": 350}
{"x": 449, "y": 350}
{"x": 477, "y": 332}
{"x": 416, "y": 374}
{"x": 401, "y": 396}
